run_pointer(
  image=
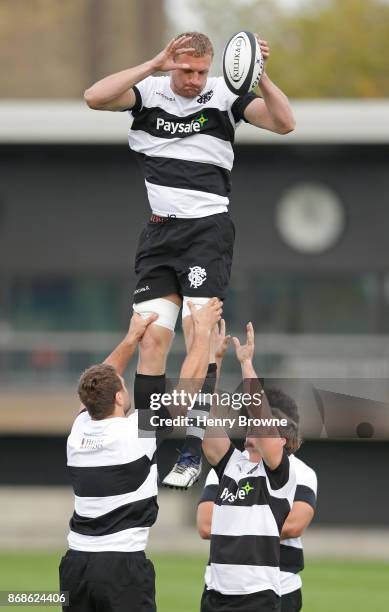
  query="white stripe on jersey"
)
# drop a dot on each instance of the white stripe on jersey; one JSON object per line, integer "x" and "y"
{"x": 106, "y": 442}
{"x": 199, "y": 148}
{"x": 93, "y": 507}
{"x": 185, "y": 202}
{"x": 128, "y": 540}
{"x": 233, "y": 521}
{"x": 243, "y": 579}
{"x": 290, "y": 582}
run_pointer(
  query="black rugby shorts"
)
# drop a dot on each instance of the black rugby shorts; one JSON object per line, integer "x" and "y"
{"x": 191, "y": 257}
{"x": 108, "y": 582}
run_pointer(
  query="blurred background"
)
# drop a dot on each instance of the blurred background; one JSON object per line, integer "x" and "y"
{"x": 311, "y": 266}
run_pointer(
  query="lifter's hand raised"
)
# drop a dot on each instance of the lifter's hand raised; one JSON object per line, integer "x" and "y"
{"x": 206, "y": 317}
{"x": 167, "y": 59}
{"x": 220, "y": 340}
{"x": 245, "y": 352}
{"x": 138, "y": 326}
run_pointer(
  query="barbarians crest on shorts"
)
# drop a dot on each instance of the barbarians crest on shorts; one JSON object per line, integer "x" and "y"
{"x": 205, "y": 97}
{"x": 196, "y": 276}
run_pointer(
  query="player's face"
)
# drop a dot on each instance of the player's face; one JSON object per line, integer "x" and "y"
{"x": 189, "y": 83}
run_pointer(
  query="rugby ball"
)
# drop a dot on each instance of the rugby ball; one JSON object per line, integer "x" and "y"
{"x": 242, "y": 63}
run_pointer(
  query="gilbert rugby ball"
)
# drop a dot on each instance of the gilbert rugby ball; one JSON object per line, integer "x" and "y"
{"x": 242, "y": 63}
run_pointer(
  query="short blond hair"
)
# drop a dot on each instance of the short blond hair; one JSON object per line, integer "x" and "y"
{"x": 200, "y": 42}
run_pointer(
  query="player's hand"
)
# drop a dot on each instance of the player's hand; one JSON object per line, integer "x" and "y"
{"x": 168, "y": 58}
{"x": 264, "y": 46}
{"x": 245, "y": 352}
{"x": 138, "y": 326}
{"x": 219, "y": 339}
{"x": 206, "y": 317}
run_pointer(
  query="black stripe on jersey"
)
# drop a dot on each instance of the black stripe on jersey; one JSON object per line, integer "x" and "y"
{"x": 185, "y": 174}
{"x": 258, "y": 494}
{"x": 210, "y": 121}
{"x": 305, "y": 494}
{"x": 105, "y": 480}
{"x": 245, "y": 550}
{"x": 142, "y": 513}
{"x": 209, "y": 493}
{"x": 291, "y": 559}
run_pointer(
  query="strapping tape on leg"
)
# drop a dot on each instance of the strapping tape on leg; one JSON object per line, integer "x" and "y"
{"x": 197, "y": 301}
{"x": 167, "y": 311}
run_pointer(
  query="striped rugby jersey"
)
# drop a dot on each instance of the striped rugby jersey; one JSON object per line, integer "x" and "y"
{"x": 185, "y": 145}
{"x": 292, "y": 556}
{"x": 291, "y": 550}
{"x": 114, "y": 477}
{"x": 251, "y": 506}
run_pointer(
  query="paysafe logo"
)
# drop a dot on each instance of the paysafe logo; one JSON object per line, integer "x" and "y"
{"x": 241, "y": 493}
{"x": 182, "y": 127}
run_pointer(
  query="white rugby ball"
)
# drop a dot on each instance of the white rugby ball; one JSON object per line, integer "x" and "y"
{"x": 242, "y": 63}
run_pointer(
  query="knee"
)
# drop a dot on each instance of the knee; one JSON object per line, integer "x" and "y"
{"x": 155, "y": 342}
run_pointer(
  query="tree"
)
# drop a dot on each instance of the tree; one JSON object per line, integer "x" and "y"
{"x": 325, "y": 48}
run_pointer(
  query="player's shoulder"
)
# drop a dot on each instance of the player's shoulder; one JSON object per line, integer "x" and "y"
{"x": 221, "y": 92}
{"x": 82, "y": 417}
{"x": 154, "y": 86}
{"x": 304, "y": 473}
{"x": 300, "y": 466}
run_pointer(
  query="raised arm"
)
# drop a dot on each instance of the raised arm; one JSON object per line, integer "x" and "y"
{"x": 216, "y": 442}
{"x": 269, "y": 443}
{"x": 196, "y": 362}
{"x": 219, "y": 346}
{"x": 271, "y": 112}
{"x": 115, "y": 93}
{"x": 121, "y": 355}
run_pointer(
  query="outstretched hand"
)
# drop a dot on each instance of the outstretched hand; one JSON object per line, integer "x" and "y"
{"x": 245, "y": 352}
{"x": 167, "y": 59}
{"x": 220, "y": 340}
{"x": 138, "y": 325}
{"x": 205, "y": 318}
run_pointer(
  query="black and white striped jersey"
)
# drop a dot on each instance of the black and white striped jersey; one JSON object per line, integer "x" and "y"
{"x": 291, "y": 550}
{"x": 292, "y": 555}
{"x": 185, "y": 145}
{"x": 114, "y": 477}
{"x": 250, "y": 509}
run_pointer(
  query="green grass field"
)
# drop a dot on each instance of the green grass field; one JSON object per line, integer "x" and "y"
{"x": 338, "y": 586}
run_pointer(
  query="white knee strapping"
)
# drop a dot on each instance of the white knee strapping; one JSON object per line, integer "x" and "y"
{"x": 197, "y": 301}
{"x": 167, "y": 311}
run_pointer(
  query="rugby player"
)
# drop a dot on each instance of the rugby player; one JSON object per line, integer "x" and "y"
{"x": 183, "y": 133}
{"x": 114, "y": 477}
{"x": 251, "y": 505}
{"x": 299, "y": 518}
